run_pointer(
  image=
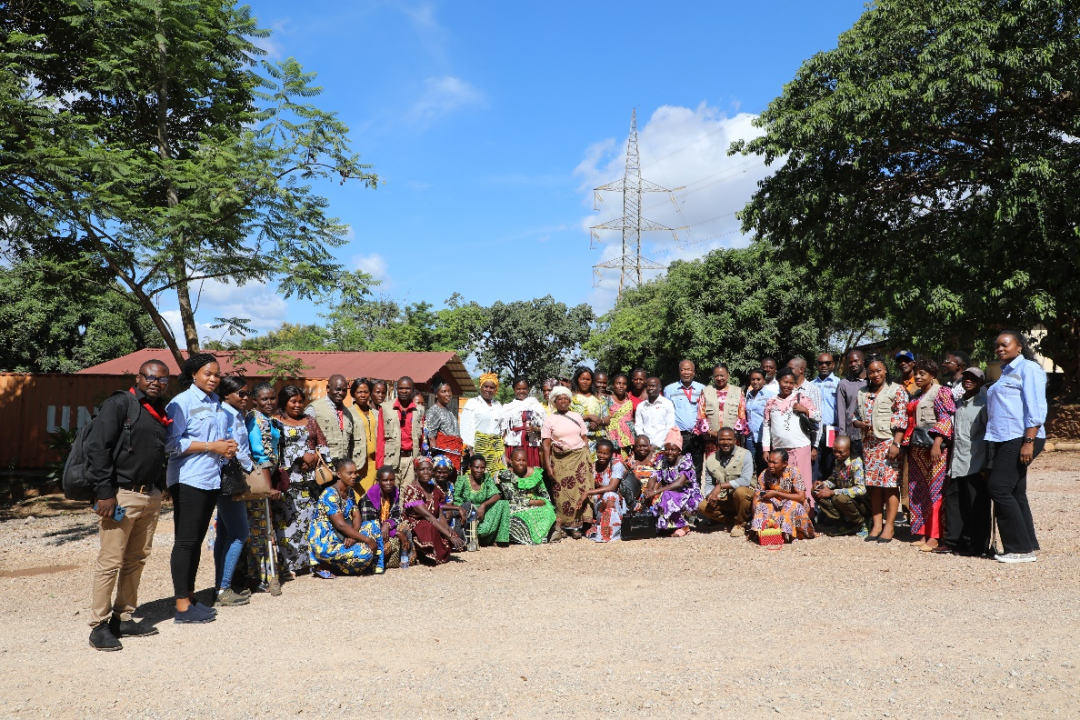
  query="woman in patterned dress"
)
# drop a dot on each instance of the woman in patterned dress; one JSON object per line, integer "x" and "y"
{"x": 619, "y": 407}
{"x": 881, "y": 447}
{"x": 673, "y": 495}
{"x": 483, "y": 424}
{"x": 441, "y": 427}
{"x": 586, "y": 403}
{"x": 609, "y": 505}
{"x": 477, "y": 489}
{"x": 302, "y": 442}
{"x": 928, "y": 466}
{"x": 421, "y": 516}
{"x": 780, "y": 501}
{"x": 532, "y": 516}
{"x": 336, "y": 546}
{"x": 641, "y": 466}
{"x": 382, "y": 504}
{"x": 566, "y": 460}
{"x": 264, "y": 437}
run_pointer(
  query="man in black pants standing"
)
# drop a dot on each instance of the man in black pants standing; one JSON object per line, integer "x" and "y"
{"x": 127, "y": 466}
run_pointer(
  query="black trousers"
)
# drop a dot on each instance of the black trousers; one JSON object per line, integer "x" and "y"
{"x": 695, "y": 445}
{"x": 192, "y": 510}
{"x": 967, "y": 514}
{"x": 1008, "y": 489}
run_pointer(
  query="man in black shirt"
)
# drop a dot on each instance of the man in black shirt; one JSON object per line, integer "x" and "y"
{"x": 127, "y": 467}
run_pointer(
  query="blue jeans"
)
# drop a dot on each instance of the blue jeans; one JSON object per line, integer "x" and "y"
{"x": 232, "y": 532}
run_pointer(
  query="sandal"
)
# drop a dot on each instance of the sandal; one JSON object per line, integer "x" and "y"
{"x": 681, "y": 532}
{"x": 324, "y": 574}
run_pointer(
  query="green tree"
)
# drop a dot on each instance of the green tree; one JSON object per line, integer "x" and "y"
{"x": 532, "y": 338}
{"x": 930, "y": 171}
{"x": 147, "y": 135}
{"x": 732, "y": 306}
{"x": 52, "y": 323}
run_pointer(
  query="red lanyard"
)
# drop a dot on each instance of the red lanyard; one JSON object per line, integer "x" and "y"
{"x": 689, "y": 392}
{"x": 150, "y": 409}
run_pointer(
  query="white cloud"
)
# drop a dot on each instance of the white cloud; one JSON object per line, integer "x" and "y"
{"x": 374, "y": 265}
{"x": 274, "y": 49}
{"x": 204, "y": 331}
{"x": 685, "y": 150}
{"x": 443, "y": 96}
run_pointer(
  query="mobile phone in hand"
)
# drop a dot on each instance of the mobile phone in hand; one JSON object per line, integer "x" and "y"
{"x": 118, "y": 512}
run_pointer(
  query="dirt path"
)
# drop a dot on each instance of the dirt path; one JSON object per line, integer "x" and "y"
{"x": 704, "y": 626}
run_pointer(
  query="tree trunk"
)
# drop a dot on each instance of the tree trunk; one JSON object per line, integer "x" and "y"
{"x": 183, "y": 296}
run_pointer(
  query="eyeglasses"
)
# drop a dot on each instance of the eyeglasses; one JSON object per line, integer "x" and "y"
{"x": 244, "y": 394}
{"x": 154, "y": 380}
{"x": 825, "y": 362}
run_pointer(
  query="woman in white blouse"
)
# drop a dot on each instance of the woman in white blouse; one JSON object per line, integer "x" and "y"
{"x": 483, "y": 424}
{"x": 524, "y": 418}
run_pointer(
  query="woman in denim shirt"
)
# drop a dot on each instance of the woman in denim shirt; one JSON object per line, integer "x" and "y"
{"x": 1016, "y": 412}
{"x": 198, "y": 445}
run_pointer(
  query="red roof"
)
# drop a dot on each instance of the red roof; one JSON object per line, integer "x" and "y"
{"x": 420, "y": 366}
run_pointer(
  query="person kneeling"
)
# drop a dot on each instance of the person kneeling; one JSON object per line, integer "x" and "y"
{"x": 381, "y": 504}
{"x": 779, "y": 503}
{"x": 609, "y": 504}
{"x": 532, "y": 516}
{"x": 843, "y": 496}
{"x": 728, "y": 484}
{"x": 337, "y": 547}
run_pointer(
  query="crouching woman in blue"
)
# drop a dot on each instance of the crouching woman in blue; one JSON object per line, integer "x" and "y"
{"x": 337, "y": 547}
{"x": 198, "y": 446}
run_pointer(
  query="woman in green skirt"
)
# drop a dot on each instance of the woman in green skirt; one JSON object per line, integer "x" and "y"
{"x": 477, "y": 491}
{"x": 532, "y": 516}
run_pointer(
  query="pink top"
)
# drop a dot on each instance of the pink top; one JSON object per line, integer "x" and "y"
{"x": 566, "y": 431}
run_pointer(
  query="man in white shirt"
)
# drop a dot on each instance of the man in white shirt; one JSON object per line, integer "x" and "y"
{"x": 768, "y": 364}
{"x": 655, "y": 415}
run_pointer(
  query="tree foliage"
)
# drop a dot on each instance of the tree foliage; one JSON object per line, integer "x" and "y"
{"x": 63, "y": 317}
{"x": 931, "y": 169}
{"x": 532, "y": 338}
{"x": 732, "y": 306}
{"x": 148, "y": 137}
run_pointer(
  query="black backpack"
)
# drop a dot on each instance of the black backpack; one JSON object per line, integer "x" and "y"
{"x": 76, "y": 486}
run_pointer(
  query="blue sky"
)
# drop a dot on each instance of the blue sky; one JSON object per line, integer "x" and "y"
{"x": 489, "y": 123}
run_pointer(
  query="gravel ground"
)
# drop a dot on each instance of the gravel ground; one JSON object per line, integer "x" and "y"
{"x": 705, "y": 625}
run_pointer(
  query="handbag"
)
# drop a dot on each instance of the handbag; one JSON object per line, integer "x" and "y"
{"x": 638, "y": 526}
{"x": 233, "y": 478}
{"x": 920, "y": 437}
{"x": 322, "y": 475}
{"x": 257, "y": 486}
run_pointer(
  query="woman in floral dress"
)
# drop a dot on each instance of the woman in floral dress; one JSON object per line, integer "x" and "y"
{"x": 478, "y": 489}
{"x": 619, "y": 407}
{"x": 881, "y": 445}
{"x": 780, "y": 500}
{"x": 532, "y": 516}
{"x": 610, "y": 505}
{"x": 421, "y": 516}
{"x": 586, "y": 403}
{"x": 673, "y": 494}
{"x": 302, "y": 443}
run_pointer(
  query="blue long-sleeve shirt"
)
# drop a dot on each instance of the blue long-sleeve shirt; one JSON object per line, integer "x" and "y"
{"x": 264, "y": 457}
{"x": 240, "y": 435}
{"x": 200, "y": 418}
{"x": 685, "y": 407}
{"x": 755, "y": 410}
{"x": 1017, "y": 401}
{"x": 828, "y": 388}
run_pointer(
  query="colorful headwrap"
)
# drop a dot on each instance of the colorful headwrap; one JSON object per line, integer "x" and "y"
{"x": 443, "y": 461}
{"x": 674, "y": 437}
{"x": 419, "y": 459}
{"x": 489, "y": 377}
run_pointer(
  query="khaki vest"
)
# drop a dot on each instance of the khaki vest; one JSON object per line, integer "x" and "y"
{"x": 881, "y": 415}
{"x": 339, "y": 441}
{"x": 925, "y": 417}
{"x": 720, "y": 474}
{"x": 392, "y": 433}
{"x": 722, "y": 417}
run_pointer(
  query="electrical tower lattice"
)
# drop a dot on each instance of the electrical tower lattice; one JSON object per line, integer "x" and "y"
{"x": 631, "y": 262}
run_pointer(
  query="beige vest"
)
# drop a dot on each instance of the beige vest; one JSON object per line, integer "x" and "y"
{"x": 360, "y": 436}
{"x": 720, "y": 474}
{"x": 392, "y": 432}
{"x": 881, "y": 415}
{"x": 339, "y": 441}
{"x": 925, "y": 417}
{"x": 722, "y": 417}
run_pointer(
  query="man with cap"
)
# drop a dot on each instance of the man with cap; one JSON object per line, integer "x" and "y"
{"x": 967, "y": 500}
{"x": 905, "y": 360}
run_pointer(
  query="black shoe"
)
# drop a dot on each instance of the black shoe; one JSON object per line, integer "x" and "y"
{"x": 101, "y": 638}
{"x": 130, "y": 628}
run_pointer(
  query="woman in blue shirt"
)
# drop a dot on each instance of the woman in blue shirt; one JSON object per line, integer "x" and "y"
{"x": 198, "y": 445}
{"x": 1016, "y": 412}
{"x": 232, "y": 517}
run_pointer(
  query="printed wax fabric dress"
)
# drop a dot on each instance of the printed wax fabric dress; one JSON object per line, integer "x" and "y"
{"x": 264, "y": 437}
{"x": 789, "y": 516}
{"x": 589, "y": 405}
{"x": 673, "y": 508}
{"x": 495, "y": 527}
{"x": 295, "y": 510}
{"x": 926, "y": 479}
{"x": 529, "y": 524}
{"x": 610, "y": 507}
{"x": 327, "y": 546}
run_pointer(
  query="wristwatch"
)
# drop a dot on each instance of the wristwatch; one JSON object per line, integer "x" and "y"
{"x": 1029, "y": 440}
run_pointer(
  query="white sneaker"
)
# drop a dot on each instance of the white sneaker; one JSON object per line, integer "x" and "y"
{"x": 1016, "y": 558}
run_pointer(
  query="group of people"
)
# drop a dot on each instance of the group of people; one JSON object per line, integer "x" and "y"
{"x": 385, "y": 482}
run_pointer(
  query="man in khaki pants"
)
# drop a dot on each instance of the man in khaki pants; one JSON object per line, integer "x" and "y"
{"x": 126, "y": 463}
